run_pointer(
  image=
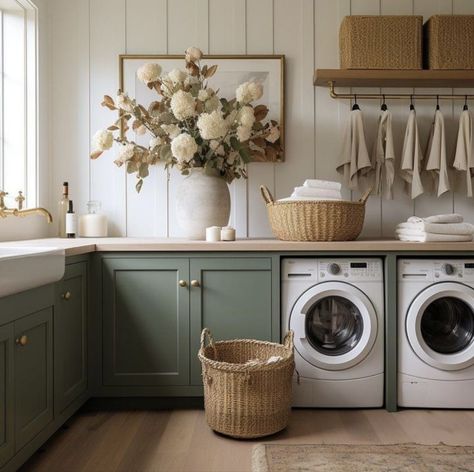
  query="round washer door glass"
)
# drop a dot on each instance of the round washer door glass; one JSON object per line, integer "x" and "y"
{"x": 334, "y": 325}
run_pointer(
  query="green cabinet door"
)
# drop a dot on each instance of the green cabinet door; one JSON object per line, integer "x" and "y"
{"x": 145, "y": 321}
{"x": 233, "y": 298}
{"x": 33, "y": 367}
{"x": 6, "y": 393}
{"x": 70, "y": 336}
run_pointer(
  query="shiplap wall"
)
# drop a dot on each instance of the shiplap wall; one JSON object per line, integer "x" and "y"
{"x": 88, "y": 35}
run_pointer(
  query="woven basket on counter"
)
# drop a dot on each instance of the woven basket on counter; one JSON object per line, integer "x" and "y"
{"x": 324, "y": 220}
{"x": 381, "y": 42}
{"x": 449, "y": 42}
{"x": 246, "y": 399}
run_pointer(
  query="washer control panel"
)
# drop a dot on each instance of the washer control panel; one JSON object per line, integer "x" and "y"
{"x": 436, "y": 270}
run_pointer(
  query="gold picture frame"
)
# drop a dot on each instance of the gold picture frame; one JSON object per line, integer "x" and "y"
{"x": 274, "y": 75}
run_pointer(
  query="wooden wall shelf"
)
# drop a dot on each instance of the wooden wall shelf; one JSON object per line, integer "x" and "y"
{"x": 395, "y": 78}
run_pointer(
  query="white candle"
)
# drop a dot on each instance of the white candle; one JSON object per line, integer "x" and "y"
{"x": 93, "y": 225}
{"x": 228, "y": 233}
{"x": 213, "y": 234}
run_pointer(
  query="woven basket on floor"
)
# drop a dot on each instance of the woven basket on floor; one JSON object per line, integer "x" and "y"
{"x": 324, "y": 220}
{"x": 449, "y": 42}
{"x": 381, "y": 42}
{"x": 242, "y": 399}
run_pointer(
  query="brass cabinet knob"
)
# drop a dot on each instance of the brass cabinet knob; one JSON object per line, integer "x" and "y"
{"x": 195, "y": 283}
{"x": 182, "y": 283}
{"x": 66, "y": 296}
{"x": 22, "y": 340}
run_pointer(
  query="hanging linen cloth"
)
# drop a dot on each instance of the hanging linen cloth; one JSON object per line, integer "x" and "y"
{"x": 383, "y": 156}
{"x": 412, "y": 157}
{"x": 464, "y": 156}
{"x": 354, "y": 159}
{"x": 436, "y": 164}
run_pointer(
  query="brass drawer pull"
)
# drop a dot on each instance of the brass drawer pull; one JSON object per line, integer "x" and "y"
{"x": 66, "y": 296}
{"x": 22, "y": 340}
{"x": 182, "y": 283}
{"x": 195, "y": 283}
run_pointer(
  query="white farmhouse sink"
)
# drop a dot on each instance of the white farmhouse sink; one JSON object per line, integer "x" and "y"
{"x": 22, "y": 268}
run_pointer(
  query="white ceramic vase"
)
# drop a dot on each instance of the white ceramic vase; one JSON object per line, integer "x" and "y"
{"x": 202, "y": 200}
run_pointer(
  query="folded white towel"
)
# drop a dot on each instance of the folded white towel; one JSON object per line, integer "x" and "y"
{"x": 316, "y": 192}
{"x": 448, "y": 218}
{"x": 424, "y": 237}
{"x": 316, "y": 183}
{"x": 308, "y": 199}
{"x": 438, "y": 228}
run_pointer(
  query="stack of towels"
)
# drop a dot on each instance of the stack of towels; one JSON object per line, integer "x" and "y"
{"x": 445, "y": 228}
{"x": 316, "y": 190}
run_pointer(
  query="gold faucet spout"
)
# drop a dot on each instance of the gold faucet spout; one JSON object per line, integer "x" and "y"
{"x": 33, "y": 211}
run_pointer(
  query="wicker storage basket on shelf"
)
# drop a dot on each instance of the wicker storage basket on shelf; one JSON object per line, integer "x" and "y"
{"x": 381, "y": 42}
{"x": 324, "y": 220}
{"x": 246, "y": 399}
{"x": 449, "y": 42}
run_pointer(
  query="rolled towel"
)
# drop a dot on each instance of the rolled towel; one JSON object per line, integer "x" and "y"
{"x": 449, "y": 218}
{"x": 316, "y": 192}
{"x": 438, "y": 228}
{"x": 315, "y": 183}
{"x": 432, "y": 237}
{"x": 308, "y": 199}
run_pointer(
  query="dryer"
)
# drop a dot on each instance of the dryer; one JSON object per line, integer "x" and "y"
{"x": 336, "y": 309}
{"x": 436, "y": 333}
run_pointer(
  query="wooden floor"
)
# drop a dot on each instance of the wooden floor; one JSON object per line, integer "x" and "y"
{"x": 179, "y": 440}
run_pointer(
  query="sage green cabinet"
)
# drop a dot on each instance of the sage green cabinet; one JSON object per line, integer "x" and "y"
{"x": 70, "y": 336}
{"x": 33, "y": 373}
{"x": 145, "y": 321}
{"x": 233, "y": 298}
{"x": 6, "y": 393}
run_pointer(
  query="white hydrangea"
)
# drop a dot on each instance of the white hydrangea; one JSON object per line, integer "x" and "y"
{"x": 126, "y": 152}
{"x": 193, "y": 54}
{"x": 212, "y": 125}
{"x": 243, "y": 133}
{"x": 273, "y": 135}
{"x": 155, "y": 142}
{"x": 191, "y": 80}
{"x": 102, "y": 140}
{"x": 177, "y": 76}
{"x": 203, "y": 95}
{"x": 171, "y": 130}
{"x": 183, "y": 105}
{"x": 124, "y": 102}
{"x": 249, "y": 92}
{"x": 183, "y": 147}
{"x": 247, "y": 117}
{"x": 149, "y": 72}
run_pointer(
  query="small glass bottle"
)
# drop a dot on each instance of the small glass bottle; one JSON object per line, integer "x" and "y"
{"x": 62, "y": 210}
{"x": 93, "y": 224}
{"x": 71, "y": 222}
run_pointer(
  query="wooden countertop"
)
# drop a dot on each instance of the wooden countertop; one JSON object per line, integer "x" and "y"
{"x": 79, "y": 246}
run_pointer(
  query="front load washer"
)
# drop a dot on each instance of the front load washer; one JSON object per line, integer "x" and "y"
{"x": 335, "y": 308}
{"x": 436, "y": 333}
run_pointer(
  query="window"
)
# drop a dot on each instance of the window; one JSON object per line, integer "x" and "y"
{"x": 18, "y": 99}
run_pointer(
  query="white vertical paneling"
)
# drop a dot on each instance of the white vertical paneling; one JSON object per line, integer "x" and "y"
{"x": 70, "y": 101}
{"x": 107, "y": 41}
{"x": 259, "y": 41}
{"x": 188, "y": 25}
{"x": 294, "y": 22}
{"x": 147, "y": 212}
{"x": 428, "y": 203}
{"x": 402, "y": 206}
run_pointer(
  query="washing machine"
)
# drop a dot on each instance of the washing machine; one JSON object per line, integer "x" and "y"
{"x": 436, "y": 333}
{"x": 336, "y": 309}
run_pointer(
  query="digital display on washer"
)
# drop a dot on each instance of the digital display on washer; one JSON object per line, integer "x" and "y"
{"x": 469, "y": 265}
{"x": 358, "y": 265}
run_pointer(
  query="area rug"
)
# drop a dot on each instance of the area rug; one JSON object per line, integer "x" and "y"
{"x": 355, "y": 458}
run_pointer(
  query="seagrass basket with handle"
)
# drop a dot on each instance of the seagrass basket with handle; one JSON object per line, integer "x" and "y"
{"x": 244, "y": 395}
{"x": 324, "y": 220}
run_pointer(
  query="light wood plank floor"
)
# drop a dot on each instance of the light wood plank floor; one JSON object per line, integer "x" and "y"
{"x": 179, "y": 440}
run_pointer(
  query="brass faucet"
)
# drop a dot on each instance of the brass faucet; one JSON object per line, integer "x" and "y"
{"x": 4, "y": 211}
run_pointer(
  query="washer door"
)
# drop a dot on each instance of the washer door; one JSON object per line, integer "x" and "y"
{"x": 335, "y": 325}
{"x": 440, "y": 326}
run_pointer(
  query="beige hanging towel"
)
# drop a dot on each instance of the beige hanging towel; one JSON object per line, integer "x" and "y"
{"x": 412, "y": 157}
{"x": 383, "y": 157}
{"x": 464, "y": 156}
{"x": 354, "y": 160}
{"x": 436, "y": 164}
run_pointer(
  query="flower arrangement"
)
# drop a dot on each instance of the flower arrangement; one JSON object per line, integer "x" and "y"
{"x": 190, "y": 125}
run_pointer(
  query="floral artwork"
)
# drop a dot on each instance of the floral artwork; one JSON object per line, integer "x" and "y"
{"x": 189, "y": 124}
